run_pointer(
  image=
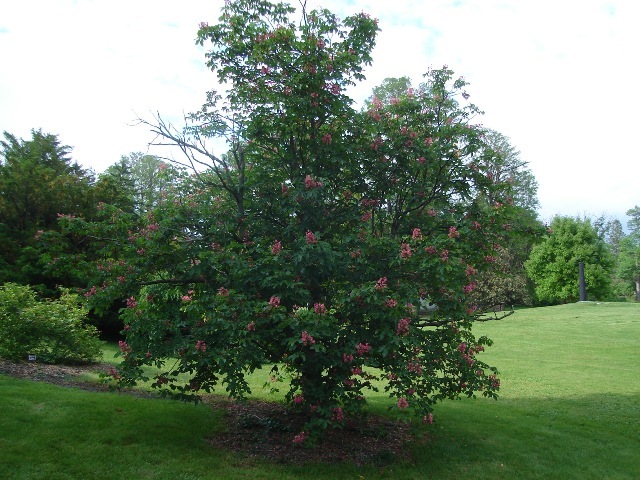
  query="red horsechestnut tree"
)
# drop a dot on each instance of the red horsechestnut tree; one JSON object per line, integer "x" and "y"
{"x": 315, "y": 242}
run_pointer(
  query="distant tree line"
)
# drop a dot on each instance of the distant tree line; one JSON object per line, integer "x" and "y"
{"x": 41, "y": 184}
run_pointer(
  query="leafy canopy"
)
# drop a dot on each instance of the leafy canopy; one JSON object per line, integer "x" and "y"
{"x": 311, "y": 243}
{"x": 553, "y": 264}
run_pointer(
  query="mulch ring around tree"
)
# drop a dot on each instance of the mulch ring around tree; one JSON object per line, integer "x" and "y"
{"x": 266, "y": 430}
{"x": 258, "y": 430}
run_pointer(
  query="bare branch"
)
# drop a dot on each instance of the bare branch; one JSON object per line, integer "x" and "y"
{"x": 175, "y": 281}
{"x": 480, "y": 318}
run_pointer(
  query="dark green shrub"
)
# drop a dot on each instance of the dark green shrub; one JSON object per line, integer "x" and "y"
{"x": 53, "y": 330}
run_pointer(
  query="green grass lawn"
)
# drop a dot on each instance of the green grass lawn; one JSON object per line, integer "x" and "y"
{"x": 569, "y": 408}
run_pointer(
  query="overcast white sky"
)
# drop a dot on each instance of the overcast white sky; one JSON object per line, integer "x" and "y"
{"x": 558, "y": 77}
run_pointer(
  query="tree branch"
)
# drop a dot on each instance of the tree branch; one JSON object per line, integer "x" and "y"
{"x": 479, "y": 318}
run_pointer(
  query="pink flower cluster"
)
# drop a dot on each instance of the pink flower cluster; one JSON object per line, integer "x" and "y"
{"x": 403, "y": 327}
{"x": 370, "y": 202}
{"x": 300, "y": 438}
{"x": 362, "y": 349}
{"x": 298, "y": 399}
{"x": 223, "y": 292}
{"x": 415, "y": 367}
{"x": 319, "y": 308}
{"x": 391, "y": 303}
{"x": 201, "y": 346}
{"x": 347, "y": 358}
{"x": 274, "y": 301}
{"x": 405, "y": 251}
{"x": 416, "y": 234}
{"x": 276, "y": 248}
{"x": 124, "y": 347}
{"x": 264, "y": 37}
{"x": 453, "y": 232}
{"x": 310, "y": 237}
{"x": 381, "y": 284}
{"x": 402, "y": 403}
{"x": 251, "y": 326}
{"x": 309, "y": 182}
{"x": 307, "y": 339}
{"x": 377, "y": 143}
{"x": 468, "y": 352}
{"x": 188, "y": 297}
{"x": 131, "y": 302}
{"x": 338, "y": 415}
{"x": 469, "y": 288}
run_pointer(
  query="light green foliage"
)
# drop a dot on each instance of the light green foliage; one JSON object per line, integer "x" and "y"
{"x": 136, "y": 183}
{"x": 390, "y": 88}
{"x": 52, "y": 330}
{"x": 553, "y": 264}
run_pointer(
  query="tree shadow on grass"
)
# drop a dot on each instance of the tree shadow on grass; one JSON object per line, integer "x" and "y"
{"x": 585, "y": 436}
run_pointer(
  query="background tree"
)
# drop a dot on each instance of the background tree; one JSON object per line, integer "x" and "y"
{"x": 553, "y": 264}
{"x": 507, "y": 284}
{"x": 627, "y": 269}
{"x": 136, "y": 183}
{"x": 310, "y": 243}
{"x": 38, "y": 183}
{"x": 628, "y": 259}
{"x": 390, "y": 88}
{"x": 503, "y": 164}
{"x": 611, "y": 232}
